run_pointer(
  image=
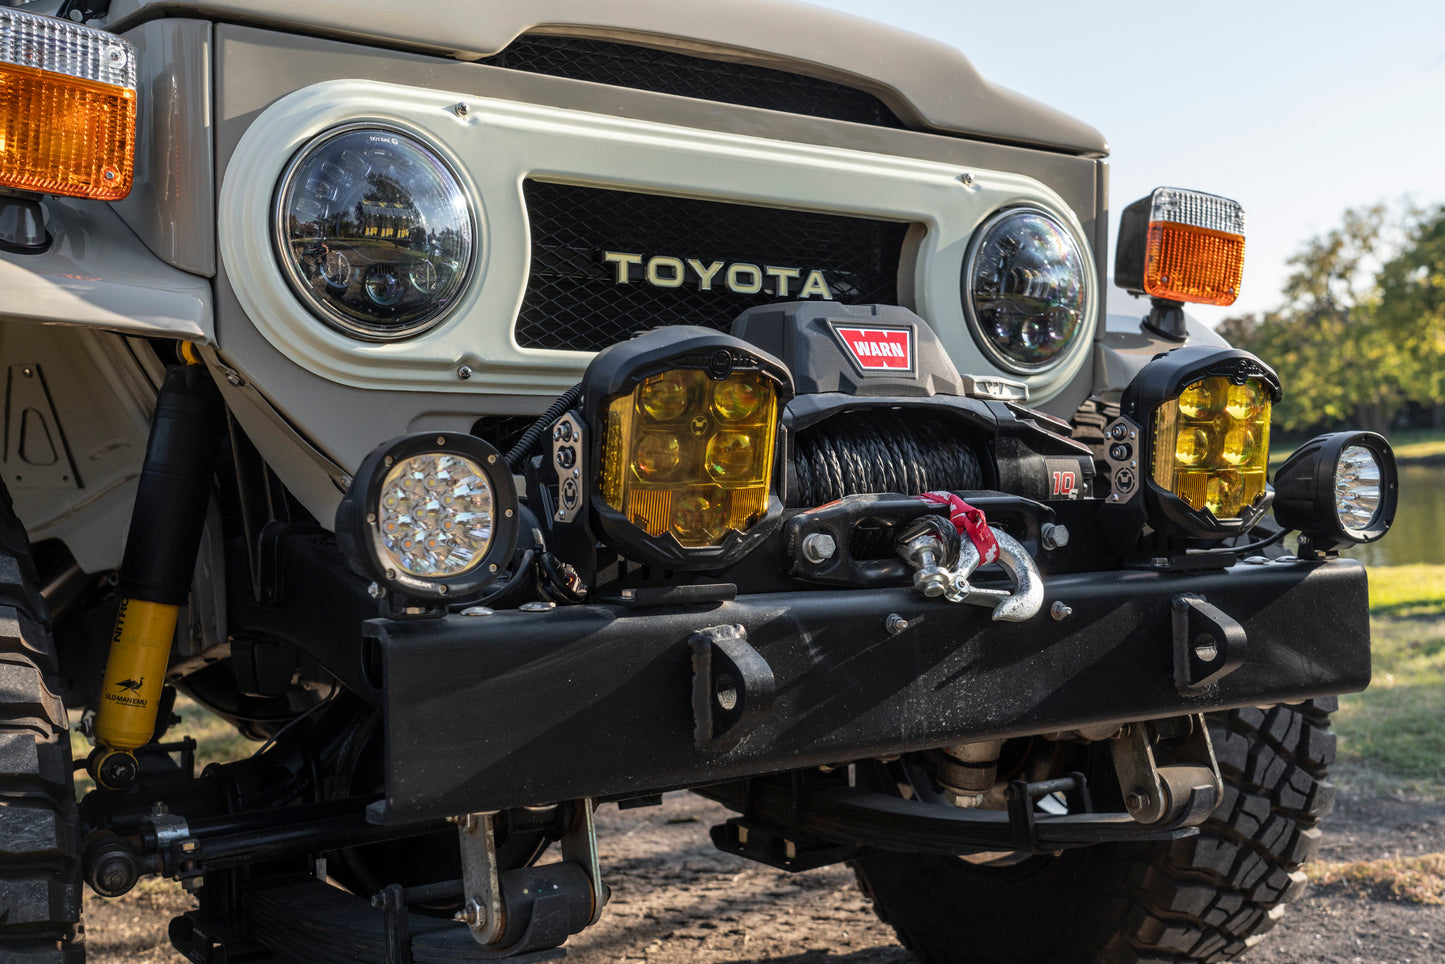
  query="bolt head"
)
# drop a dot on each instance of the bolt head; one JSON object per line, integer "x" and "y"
{"x": 819, "y": 547}
{"x": 464, "y": 372}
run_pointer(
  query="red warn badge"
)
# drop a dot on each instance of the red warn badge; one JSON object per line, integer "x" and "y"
{"x": 878, "y": 349}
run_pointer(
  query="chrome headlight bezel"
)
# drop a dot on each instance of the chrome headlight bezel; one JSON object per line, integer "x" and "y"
{"x": 462, "y": 270}
{"x": 1076, "y": 341}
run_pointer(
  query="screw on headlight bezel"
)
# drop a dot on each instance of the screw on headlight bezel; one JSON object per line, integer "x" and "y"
{"x": 1087, "y": 300}
{"x": 358, "y": 518}
{"x": 620, "y": 369}
{"x": 1305, "y": 490}
{"x": 324, "y": 312}
{"x": 1163, "y": 379}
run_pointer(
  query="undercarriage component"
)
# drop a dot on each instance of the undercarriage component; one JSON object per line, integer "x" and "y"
{"x": 155, "y": 575}
{"x": 315, "y": 922}
{"x": 1136, "y": 902}
{"x": 860, "y": 818}
{"x": 512, "y": 912}
{"x": 1167, "y": 776}
{"x": 609, "y": 688}
{"x": 968, "y": 770}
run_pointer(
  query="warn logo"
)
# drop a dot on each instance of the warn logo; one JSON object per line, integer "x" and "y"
{"x": 878, "y": 349}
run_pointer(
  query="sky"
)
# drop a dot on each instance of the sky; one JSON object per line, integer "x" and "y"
{"x": 1296, "y": 110}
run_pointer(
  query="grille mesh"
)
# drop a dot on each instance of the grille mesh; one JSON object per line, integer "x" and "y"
{"x": 573, "y": 300}
{"x": 668, "y": 72}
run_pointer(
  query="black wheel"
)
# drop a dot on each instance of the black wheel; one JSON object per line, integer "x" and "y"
{"x": 39, "y": 861}
{"x": 1198, "y": 899}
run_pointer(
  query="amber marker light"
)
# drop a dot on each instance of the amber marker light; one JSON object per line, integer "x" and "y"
{"x": 1183, "y": 246}
{"x": 67, "y": 108}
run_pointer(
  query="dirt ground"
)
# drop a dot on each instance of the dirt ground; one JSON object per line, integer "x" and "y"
{"x": 677, "y": 900}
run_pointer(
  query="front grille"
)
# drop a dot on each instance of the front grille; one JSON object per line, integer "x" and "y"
{"x": 573, "y": 300}
{"x": 669, "y": 72}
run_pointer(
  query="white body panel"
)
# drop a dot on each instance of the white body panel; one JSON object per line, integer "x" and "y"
{"x": 497, "y": 144}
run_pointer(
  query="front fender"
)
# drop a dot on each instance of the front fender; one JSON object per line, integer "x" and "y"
{"x": 97, "y": 273}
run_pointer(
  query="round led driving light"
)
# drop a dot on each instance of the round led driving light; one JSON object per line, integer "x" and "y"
{"x": 1025, "y": 288}
{"x": 1338, "y": 488}
{"x": 374, "y": 233}
{"x": 437, "y": 515}
{"x": 430, "y": 516}
{"x": 1357, "y": 488}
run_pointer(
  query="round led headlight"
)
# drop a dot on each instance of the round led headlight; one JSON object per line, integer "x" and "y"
{"x": 1025, "y": 289}
{"x": 1338, "y": 488}
{"x": 431, "y": 516}
{"x": 374, "y": 232}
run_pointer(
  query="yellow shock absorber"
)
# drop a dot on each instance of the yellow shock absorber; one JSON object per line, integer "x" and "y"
{"x": 134, "y": 674}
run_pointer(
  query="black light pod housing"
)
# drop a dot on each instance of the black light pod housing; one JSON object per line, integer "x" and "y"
{"x": 1338, "y": 489}
{"x": 1193, "y": 442}
{"x": 686, "y": 450}
{"x": 431, "y": 516}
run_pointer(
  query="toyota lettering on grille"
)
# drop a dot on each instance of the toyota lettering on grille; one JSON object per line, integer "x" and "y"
{"x": 739, "y": 277}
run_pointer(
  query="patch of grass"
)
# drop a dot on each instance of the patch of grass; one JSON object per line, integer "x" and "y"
{"x": 1413, "y": 880}
{"x": 1391, "y": 738}
{"x": 1418, "y": 444}
{"x": 1411, "y": 591}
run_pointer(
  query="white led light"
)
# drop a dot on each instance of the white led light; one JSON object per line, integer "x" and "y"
{"x": 1357, "y": 488}
{"x": 1197, "y": 209}
{"x": 436, "y": 515}
{"x": 45, "y": 43}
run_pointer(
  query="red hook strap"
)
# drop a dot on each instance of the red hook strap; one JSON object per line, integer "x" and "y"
{"x": 968, "y": 520}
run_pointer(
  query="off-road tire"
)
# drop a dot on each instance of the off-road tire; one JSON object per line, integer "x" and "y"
{"x": 40, "y": 888}
{"x": 1205, "y": 898}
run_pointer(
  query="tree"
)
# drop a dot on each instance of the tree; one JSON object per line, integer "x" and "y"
{"x": 1337, "y": 363}
{"x": 1411, "y": 312}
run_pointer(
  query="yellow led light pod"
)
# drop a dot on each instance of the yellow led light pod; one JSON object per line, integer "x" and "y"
{"x": 1180, "y": 245}
{"x": 694, "y": 474}
{"x": 67, "y": 108}
{"x": 687, "y": 444}
{"x": 1203, "y": 415}
{"x": 1206, "y": 456}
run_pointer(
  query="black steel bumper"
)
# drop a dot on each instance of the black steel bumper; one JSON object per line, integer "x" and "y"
{"x": 523, "y": 708}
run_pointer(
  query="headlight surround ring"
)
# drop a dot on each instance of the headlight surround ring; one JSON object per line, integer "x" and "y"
{"x": 1039, "y": 307}
{"x": 334, "y": 242}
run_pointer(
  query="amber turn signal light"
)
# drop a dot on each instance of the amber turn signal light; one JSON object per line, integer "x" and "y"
{"x": 67, "y": 108}
{"x": 1179, "y": 245}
